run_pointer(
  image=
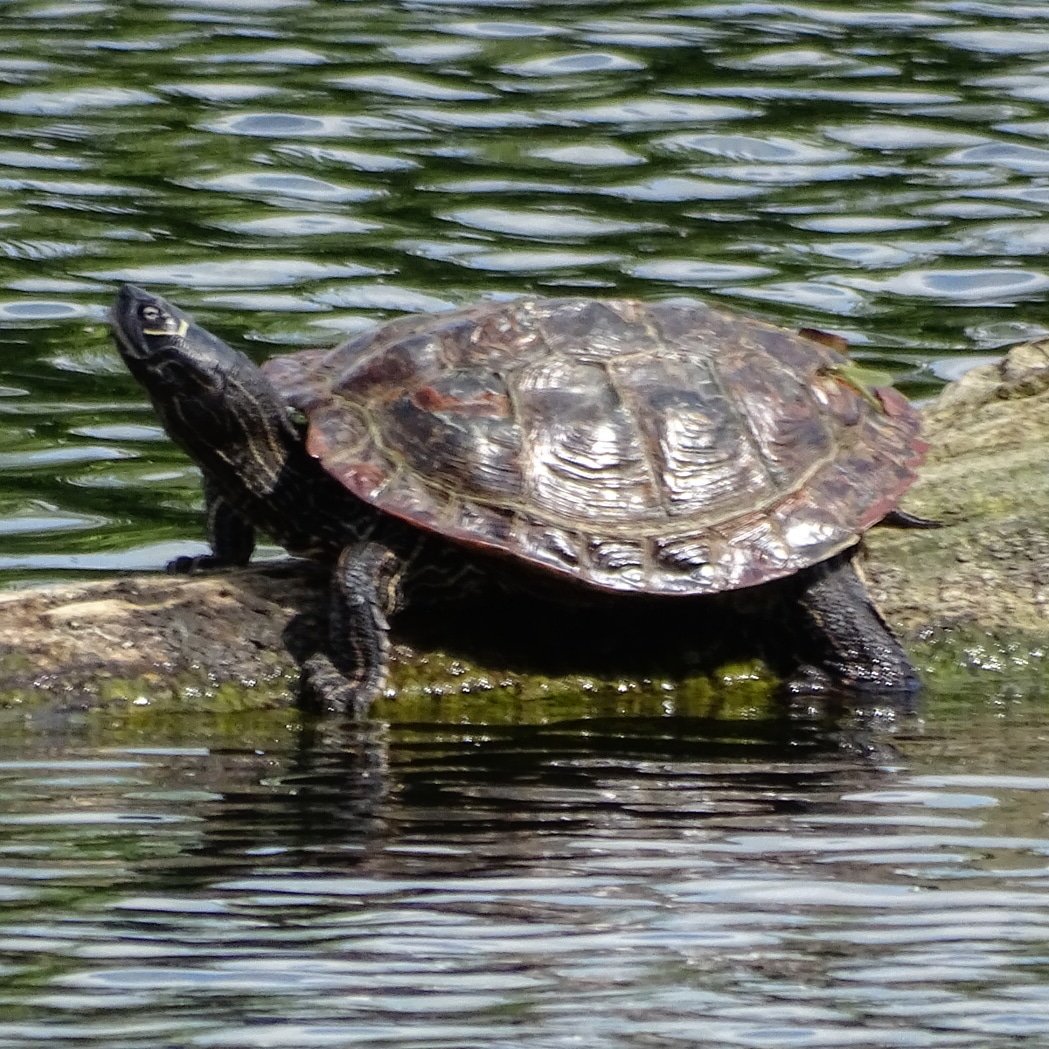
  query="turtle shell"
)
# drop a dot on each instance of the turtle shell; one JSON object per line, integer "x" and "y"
{"x": 661, "y": 448}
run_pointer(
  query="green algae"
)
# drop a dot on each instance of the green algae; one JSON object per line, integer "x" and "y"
{"x": 439, "y": 689}
{"x": 964, "y": 660}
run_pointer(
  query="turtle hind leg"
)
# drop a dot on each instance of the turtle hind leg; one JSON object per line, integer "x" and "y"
{"x": 230, "y": 536}
{"x": 851, "y": 645}
{"x": 365, "y": 590}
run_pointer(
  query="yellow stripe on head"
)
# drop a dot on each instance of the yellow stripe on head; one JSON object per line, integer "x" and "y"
{"x": 183, "y": 327}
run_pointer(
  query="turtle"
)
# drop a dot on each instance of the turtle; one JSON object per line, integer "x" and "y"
{"x": 668, "y": 449}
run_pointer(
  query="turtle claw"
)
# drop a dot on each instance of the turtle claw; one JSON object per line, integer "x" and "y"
{"x": 897, "y": 518}
{"x": 812, "y": 681}
{"x": 809, "y": 680}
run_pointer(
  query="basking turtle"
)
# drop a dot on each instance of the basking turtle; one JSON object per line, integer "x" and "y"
{"x": 617, "y": 446}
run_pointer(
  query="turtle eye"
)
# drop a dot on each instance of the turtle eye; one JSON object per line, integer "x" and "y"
{"x": 156, "y": 321}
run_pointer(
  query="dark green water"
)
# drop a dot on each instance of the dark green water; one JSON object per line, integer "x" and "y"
{"x": 293, "y": 171}
{"x": 598, "y": 874}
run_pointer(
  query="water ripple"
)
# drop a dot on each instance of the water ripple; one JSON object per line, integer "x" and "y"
{"x": 572, "y": 64}
{"x": 70, "y": 103}
{"x": 961, "y": 284}
{"x": 220, "y": 92}
{"x": 813, "y": 922}
{"x": 556, "y": 224}
{"x": 670, "y": 188}
{"x": 357, "y": 159}
{"x": 408, "y": 87}
{"x": 597, "y": 155}
{"x": 772, "y": 150}
{"x": 997, "y": 41}
{"x": 234, "y": 273}
{"x": 279, "y": 185}
{"x": 293, "y": 125}
{"x": 300, "y": 224}
{"x": 697, "y": 273}
{"x": 648, "y": 112}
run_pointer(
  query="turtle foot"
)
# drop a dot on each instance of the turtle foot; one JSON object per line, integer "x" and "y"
{"x": 186, "y": 565}
{"x": 895, "y": 684}
{"x": 324, "y": 687}
{"x": 809, "y": 681}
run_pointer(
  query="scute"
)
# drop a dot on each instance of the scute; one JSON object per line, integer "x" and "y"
{"x": 662, "y": 448}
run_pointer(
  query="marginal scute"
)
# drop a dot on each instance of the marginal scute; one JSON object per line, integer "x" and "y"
{"x": 686, "y": 556}
{"x": 469, "y": 517}
{"x": 612, "y": 558}
{"x": 667, "y": 448}
{"x": 558, "y": 548}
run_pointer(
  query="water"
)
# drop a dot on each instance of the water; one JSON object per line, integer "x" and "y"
{"x": 592, "y": 872}
{"x": 618, "y": 878}
{"x": 295, "y": 171}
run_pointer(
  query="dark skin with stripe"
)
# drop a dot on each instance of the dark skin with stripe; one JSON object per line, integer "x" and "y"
{"x": 219, "y": 407}
{"x": 216, "y": 404}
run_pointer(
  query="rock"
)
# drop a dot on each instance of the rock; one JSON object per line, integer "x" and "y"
{"x": 969, "y": 600}
{"x": 987, "y": 479}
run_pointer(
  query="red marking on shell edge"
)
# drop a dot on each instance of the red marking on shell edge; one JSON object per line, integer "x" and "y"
{"x": 826, "y": 338}
{"x": 363, "y": 479}
{"x": 920, "y": 449}
{"x": 891, "y": 499}
{"x": 893, "y": 403}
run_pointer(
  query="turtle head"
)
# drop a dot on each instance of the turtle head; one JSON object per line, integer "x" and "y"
{"x": 213, "y": 400}
{"x": 165, "y": 350}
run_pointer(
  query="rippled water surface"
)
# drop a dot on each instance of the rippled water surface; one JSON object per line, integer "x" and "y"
{"x": 295, "y": 170}
{"x": 625, "y": 878}
{"x": 573, "y": 874}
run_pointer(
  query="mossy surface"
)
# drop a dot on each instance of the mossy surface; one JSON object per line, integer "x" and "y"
{"x": 438, "y": 688}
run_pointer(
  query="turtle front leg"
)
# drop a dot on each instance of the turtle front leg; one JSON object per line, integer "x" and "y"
{"x": 854, "y": 647}
{"x": 366, "y": 588}
{"x": 230, "y": 536}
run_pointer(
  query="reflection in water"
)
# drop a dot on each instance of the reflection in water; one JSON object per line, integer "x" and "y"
{"x": 620, "y": 878}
